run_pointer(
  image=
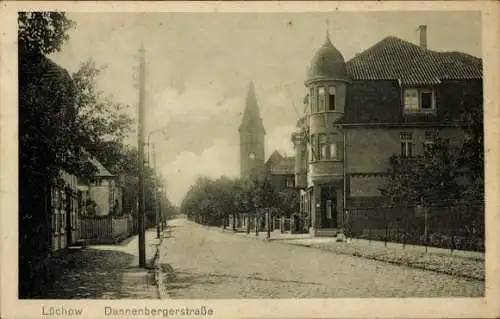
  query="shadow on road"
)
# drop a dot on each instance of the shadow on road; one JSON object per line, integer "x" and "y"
{"x": 86, "y": 274}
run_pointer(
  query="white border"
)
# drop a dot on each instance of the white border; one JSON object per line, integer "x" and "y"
{"x": 11, "y": 307}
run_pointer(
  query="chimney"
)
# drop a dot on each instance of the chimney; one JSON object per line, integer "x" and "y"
{"x": 422, "y": 36}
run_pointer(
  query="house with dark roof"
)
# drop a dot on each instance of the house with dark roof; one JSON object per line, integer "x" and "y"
{"x": 395, "y": 98}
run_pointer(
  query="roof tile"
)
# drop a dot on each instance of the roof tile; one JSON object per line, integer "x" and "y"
{"x": 396, "y": 59}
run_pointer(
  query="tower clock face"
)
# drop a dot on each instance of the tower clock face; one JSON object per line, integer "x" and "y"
{"x": 251, "y": 156}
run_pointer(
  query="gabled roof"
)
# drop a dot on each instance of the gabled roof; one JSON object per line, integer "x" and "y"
{"x": 275, "y": 157}
{"x": 101, "y": 170}
{"x": 51, "y": 81}
{"x": 278, "y": 164}
{"x": 396, "y": 59}
{"x": 53, "y": 71}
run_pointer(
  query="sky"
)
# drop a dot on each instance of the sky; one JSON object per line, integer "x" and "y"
{"x": 199, "y": 66}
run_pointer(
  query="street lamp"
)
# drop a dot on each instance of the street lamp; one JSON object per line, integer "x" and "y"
{"x": 156, "y": 208}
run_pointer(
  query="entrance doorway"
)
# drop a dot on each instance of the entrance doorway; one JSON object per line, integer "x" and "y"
{"x": 329, "y": 207}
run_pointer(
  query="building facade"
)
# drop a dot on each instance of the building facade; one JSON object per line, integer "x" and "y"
{"x": 395, "y": 98}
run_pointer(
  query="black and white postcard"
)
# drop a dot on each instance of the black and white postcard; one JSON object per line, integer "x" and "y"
{"x": 249, "y": 159}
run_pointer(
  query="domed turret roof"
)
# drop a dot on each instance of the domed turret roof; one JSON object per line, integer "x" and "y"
{"x": 328, "y": 62}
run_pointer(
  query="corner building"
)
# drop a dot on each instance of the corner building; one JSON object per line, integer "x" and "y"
{"x": 395, "y": 98}
{"x": 319, "y": 144}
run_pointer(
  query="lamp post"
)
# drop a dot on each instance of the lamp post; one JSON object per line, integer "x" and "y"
{"x": 268, "y": 219}
{"x": 155, "y": 198}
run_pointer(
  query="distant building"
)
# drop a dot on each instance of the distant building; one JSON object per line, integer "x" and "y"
{"x": 105, "y": 191}
{"x": 394, "y": 98}
{"x": 252, "y": 135}
{"x": 281, "y": 170}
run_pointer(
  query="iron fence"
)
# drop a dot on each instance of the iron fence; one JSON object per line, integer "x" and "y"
{"x": 452, "y": 224}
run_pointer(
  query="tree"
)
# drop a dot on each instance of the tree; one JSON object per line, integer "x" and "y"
{"x": 42, "y": 32}
{"x": 101, "y": 124}
{"x": 472, "y": 151}
{"x": 433, "y": 175}
{"x": 46, "y": 113}
{"x": 289, "y": 201}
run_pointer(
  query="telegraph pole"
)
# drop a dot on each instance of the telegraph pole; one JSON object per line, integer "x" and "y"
{"x": 142, "y": 88}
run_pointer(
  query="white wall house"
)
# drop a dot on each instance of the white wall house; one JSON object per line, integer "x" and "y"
{"x": 105, "y": 190}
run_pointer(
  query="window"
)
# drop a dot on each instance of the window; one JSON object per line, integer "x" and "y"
{"x": 419, "y": 100}
{"x": 429, "y": 140}
{"x": 406, "y": 144}
{"x": 311, "y": 99}
{"x": 335, "y": 147}
{"x": 311, "y": 149}
{"x": 322, "y": 146}
{"x": 289, "y": 182}
{"x": 333, "y": 150}
{"x": 331, "y": 98}
{"x": 321, "y": 99}
{"x": 411, "y": 100}
{"x": 54, "y": 209}
{"x": 426, "y": 99}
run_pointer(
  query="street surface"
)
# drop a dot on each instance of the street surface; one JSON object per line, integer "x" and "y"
{"x": 204, "y": 263}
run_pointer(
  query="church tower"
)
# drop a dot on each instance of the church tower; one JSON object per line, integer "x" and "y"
{"x": 252, "y": 133}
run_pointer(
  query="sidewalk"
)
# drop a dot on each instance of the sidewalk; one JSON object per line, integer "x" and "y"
{"x": 468, "y": 264}
{"x": 105, "y": 272}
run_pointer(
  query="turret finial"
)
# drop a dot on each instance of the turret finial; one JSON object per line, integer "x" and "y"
{"x": 327, "y": 25}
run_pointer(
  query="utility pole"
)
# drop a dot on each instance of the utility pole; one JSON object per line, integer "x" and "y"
{"x": 142, "y": 88}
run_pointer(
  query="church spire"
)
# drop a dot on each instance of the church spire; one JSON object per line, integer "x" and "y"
{"x": 252, "y": 138}
{"x": 251, "y": 101}
{"x": 251, "y": 114}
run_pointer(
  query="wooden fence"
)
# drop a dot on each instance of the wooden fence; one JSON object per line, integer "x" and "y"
{"x": 105, "y": 228}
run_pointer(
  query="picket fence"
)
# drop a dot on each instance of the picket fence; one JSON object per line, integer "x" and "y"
{"x": 106, "y": 228}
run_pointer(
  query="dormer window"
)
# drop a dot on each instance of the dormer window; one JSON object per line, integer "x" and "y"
{"x": 419, "y": 101}
{"x": 331, "y": 98}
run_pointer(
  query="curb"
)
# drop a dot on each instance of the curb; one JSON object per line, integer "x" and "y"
{"x": 159, "y": 278}
{"x": 389, "y": 261}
